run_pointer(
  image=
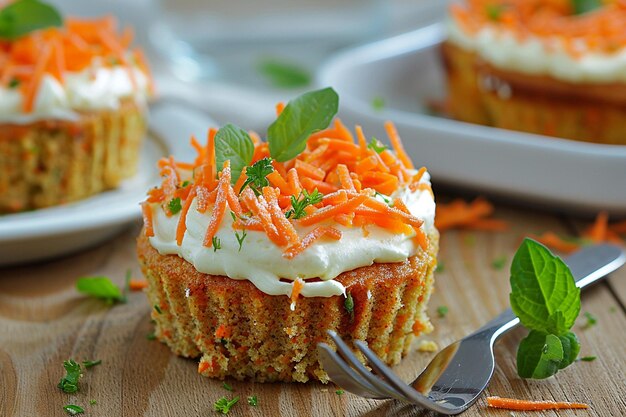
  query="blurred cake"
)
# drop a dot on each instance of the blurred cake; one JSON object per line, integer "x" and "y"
{"x": 72, "y": 112}
{"x": 551, "y": 67}
{"x": 249, "y": 276}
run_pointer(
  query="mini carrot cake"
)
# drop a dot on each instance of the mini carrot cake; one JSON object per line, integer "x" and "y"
{"x": 72, "y": 106}
{"x": 257, "y": 248}
{"x": 552, "y": 67}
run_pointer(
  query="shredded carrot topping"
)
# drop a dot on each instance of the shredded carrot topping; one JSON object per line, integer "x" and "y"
{"x": 526, "y": 405}
{"x": 56, "y": 51}
{"x": 348, "y": 176}
{"x": 601, "y": 30}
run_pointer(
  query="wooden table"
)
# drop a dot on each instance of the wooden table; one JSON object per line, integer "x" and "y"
{"x": 43, "y": 321}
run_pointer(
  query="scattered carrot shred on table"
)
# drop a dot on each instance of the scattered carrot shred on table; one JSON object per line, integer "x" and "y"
{"x": 555, "y": 242}
{"x": 137, "y": 284}
{"x": 527, "y": 405}
{"x": 459, "y": 214}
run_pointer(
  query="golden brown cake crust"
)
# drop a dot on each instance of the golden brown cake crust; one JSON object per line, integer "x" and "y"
{"x": 535, "y": 104}
{"x": 50, "y": 162}
{"x": 244, "y": 333}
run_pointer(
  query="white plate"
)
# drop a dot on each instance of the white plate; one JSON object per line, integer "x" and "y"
{"x": 406, "y": 72}
{"x": 50, "y": 232}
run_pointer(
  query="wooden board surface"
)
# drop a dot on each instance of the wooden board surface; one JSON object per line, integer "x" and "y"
{"x": 43, "y": 321}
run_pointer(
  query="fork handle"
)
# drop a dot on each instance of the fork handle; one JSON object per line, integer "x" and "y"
{"x": 587, "y": 265}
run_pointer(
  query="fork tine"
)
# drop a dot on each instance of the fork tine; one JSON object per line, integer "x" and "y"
{"x": 344, "y": 376}
{"x": 349, "y": 356}
{"x": 383, "y": 370}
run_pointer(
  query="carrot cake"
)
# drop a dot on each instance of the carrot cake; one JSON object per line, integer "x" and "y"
{"x": 257, "y": 248}
{"x": 552, "y": 67}
{"x": 72, "y": 108}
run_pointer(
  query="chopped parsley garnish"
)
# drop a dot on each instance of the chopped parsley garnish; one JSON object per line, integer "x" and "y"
{"x": 14, "y": 83}
{"x": 241, "y": 238}
{"x": 588, "y": 358}
{"x": 223, "y": 405}
{"x": 284, "y": 74}
{"x": 545, "y": 298}
{"x": 585, "y": 6}
{"x": 158, "y": 309}
{"x": 73, "y": 409}
{"x": 253, "y": 401}
{"x": 440, "y": 267}
{"x": 378, "y": 103}
{"x": 217, "y": 243}
{"x": 469, "y": 240}
{"x": 175, "y": 205}
{"x": 499, "y": 263}
{"x": 442, "y": 311}
{"x": 612, "y": 309}
{"x": 226, "y": 386}
{"x": 304, "y": 115}
{"x": 384, "y": 198}
{"x": 591, "y": 320}
{"x": 24, "y": 16}
{"x": 100, "y": 287}
{"x": 69, "y": 383}
{"x": 348, "y": 304}
{"x": 151, "y": 336}
{"x": 339, "y": 392}
{"x": 376, "y": 146}
{"x": 303, "y": 201}
{"x": 91, "y": 364}
{"x": 93, "y": 402}
{"x": 185, "y": 183}
{"x": 257, "y": 175}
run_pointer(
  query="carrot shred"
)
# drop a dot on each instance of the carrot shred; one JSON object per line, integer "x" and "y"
{"x": 137, "y": 284}
{"x": 297, "y": 286}
{"x": 459, "y": 214}
{"x": 598, "y": 231}
{"x": 181, "y": 227}
{"x": 397, "y": 145}
{"x": 331, "y": 211}
{"x": 526, "y": 405}
{"x": 311, "y": 237}
{"x": 344, "y": 178}
{"x": 146, "y": 211}
{"x": 219, "y": 209}
{"x": 553, "y": 241}
{"x": 223, "y": 332}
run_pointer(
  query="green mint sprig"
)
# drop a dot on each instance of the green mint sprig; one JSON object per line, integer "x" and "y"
{"x": 234, "y": 144}
{"x": 545, "y": 298}
{"x": 585, "y": 6}
{"x": 24, "y": 16}
{"x": 303, "y": 116}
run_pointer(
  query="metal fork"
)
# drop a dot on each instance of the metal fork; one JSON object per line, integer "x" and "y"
{"x": 459, "y": 373}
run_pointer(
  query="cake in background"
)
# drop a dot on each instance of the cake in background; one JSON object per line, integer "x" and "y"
{"x": 551, "y": 67}
{"x": 255, "y": 249}
{"x": 73, "y": 102}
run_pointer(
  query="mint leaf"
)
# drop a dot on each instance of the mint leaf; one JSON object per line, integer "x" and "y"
{"x": 585, "y": 6}
{"x": 100, "y": 287}
{"x": 24, "y": 16}
{"x": 571, "y": 349}
{"x": 284, "y": 74}
{"x": 234, "y": 144}
{"x": 541, "y": 285}
{"x": 304, "y": 115}
{"x": 539, "y": 355}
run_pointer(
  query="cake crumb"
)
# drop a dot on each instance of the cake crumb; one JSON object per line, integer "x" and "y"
{"x": 427, "y": 346}
{"x": 291, "y": 331}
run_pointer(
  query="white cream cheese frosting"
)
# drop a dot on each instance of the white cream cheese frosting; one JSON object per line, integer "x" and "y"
{"x": 94, "y": 88}
{"x": 261, "y": 262}
{"x": 539, "y": 56}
